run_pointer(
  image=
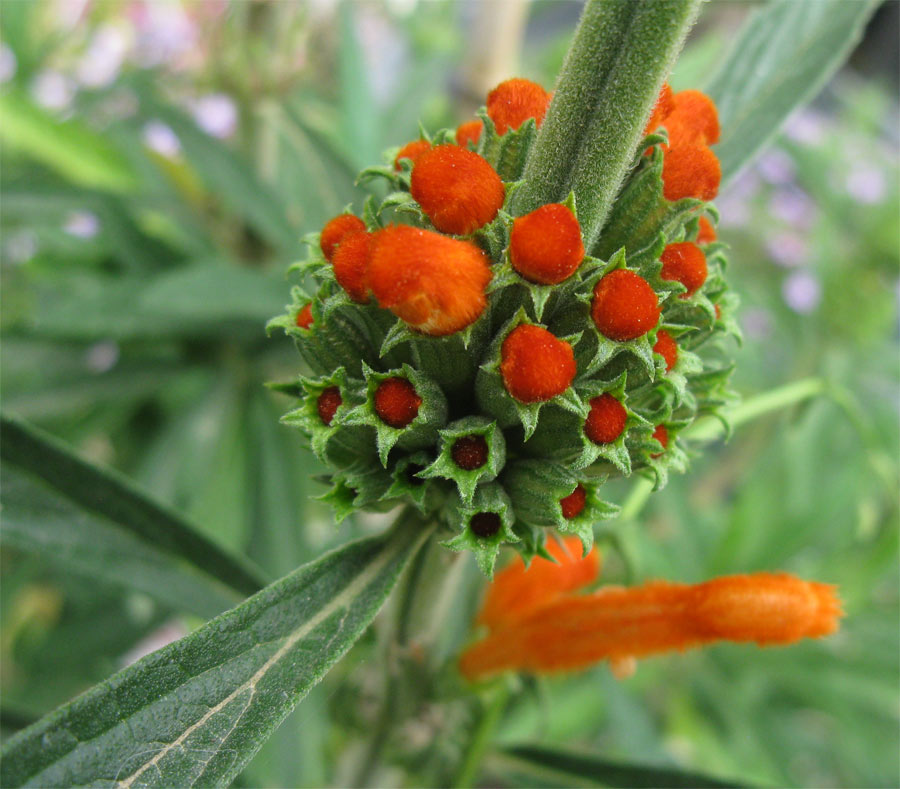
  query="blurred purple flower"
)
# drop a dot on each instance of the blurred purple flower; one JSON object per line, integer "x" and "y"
{"x": 806, "y": 126}
{"x": 802, "y": 292}
{"x": 792, "y": 206}
{"x": 776, "y": 167}
{"x": 734, "y": 202}
{"x": 82, "y": 224}
{"x": 68, "y": 13}
{"x": 787, "y": 249}
{"x": 102, "y": 61}
{"x": 867, "y": 184}
{"x": 164, "y": 32}
{"x": 102, "y": 356}
{"x": 757, "y": 323}
{"x": 8, "y": 63}
{"x": 53, "y": 90}
{"x": 216, "y": 114}
{"x": 160, "y": 138}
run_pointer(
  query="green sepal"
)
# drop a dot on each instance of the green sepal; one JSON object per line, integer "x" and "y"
{"x": 513, "y": 150}
{"x": 340, "y": 499}
{"x": 421, "y": 432}
{"x": 494, "y": 236}
{"x": 493, "y": 397}
{"x": 458, "y": 515}
{"x": 426, "y": 495}
{"x": 468, "y": 480}
{"x": 371, "y": 483}
{"x": 659, "y": 460}
{"x": 370, "y": 214}
{"x": 403, "y": 203}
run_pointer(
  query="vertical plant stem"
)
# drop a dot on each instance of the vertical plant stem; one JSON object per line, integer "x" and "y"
{"x": 613, "y": 72}
{"x": 481, "y": 738}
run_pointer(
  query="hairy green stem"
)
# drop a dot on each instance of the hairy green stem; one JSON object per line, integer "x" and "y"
{"x": 619, "y": 58}
{"x": 481, "y": 738}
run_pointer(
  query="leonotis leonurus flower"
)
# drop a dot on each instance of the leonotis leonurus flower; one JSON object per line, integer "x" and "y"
{"x": 488, "y": 369}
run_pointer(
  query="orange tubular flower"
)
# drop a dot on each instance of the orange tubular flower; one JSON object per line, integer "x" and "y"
{"x": 412, "y": 151}
{"x": 456, "y": 188}
{"x": 518, "y": 591}
{"x": 336, "y": 230}
{"x": 304, "y": 318}
{"x": 468, "y": 132}
{"x": 535, "y": 365}
{"x": 396, "y": 402}
{"x": 707, "y": 233}
{"x": 666, "y": 347}
{"x": 606, "y": 420}
{"x": 351, "y": 265}
{"x": 621, "y": 623}
{"x": 691, "y": 170}
{"x": 684, "y": 263}
{"x": 434, "y": 283}
{"x": 514, "y": 101}
{"x": 693, "y": 119}
{"x": 624, "y": 306}
{"x": 545, "y": 246}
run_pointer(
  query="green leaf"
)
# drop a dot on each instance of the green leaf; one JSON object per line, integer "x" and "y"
{"x": 620, "y": 56}
{"x": 780, "y": 60}
{"x": 196, "y": 711}
{"x": 69, "y": 147}
{"x": 106, "y": 493}
{"x": 558, "y": 767}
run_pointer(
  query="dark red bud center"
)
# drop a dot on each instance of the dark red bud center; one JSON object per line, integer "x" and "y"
{"x": 470, "y": 452}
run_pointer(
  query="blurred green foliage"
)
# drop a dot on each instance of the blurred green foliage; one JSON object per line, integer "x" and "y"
{"x": 136, "y": 279}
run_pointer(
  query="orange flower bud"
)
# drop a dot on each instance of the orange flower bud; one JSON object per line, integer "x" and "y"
{"x": 468, "y": 132}
{"x": 518, "y": 591}
{"x": 624, "y": 306}
{"x": 690, "y": 170}
{"x": 606, "y": 419}
{"x": 661, "y": 109}
{"x": 573, "y": 505}
{"x": 304, "y": 317}
{"x": 396, "y": 402}
{"x": 666, "y": 347}
{"x": 545, "y": 246}
{"x": 661, "y": 434}
{"x": 693, "y": 119}
{"x": 514, "y": 101}
{"x": 457, "y": 189}
{"x": 470, "y": 452}
{"x": 336, "y": 230}
{"x": 621, "y": 623}
{"x": 684, "y": 263}
{"x": 412, "y": 151}
{"x": 535, "y": 365}
{"x": 328, "y": 403}
{"x": 351, "y": 265}
{"x": 434, "y": 283}
{"x": 707, "y": 233}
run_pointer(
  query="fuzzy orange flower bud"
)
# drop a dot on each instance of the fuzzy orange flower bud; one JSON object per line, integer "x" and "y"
{"x": 518, "y": 591}
{"x": 328, "y": 403}
{"x": 661, "y": 434}
{"x": 535, "y": 365}
{"x": 573, "y": 504}
{"x": 685, "y": 263}
{"x": 434, "y": 283}
{"x": 545, "y": 246}
{"x": 624, "y": 306}
{"x": 666, "y": 347}
{"x": 606, "y": 419}
{"x": 690, "y": 170}
{"x": 336, "y": 230}
{"x": 304, "y": 317}
{"x": 468, "y": 132}
{"x": 693, "y": 119}
{"x": 396, "y": 402}
{"x": 351, "y": 265}
{"x": 514, "y": 101}
{"x": 457, "y": 189}
{"x": 621, "y": 623}
{"x": 412, "y": 151}
{"x": 706, "y": 233}
{"x": 661, "y": 109}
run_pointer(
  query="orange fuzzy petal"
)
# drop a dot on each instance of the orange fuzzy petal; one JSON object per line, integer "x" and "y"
{"x": 468, "y": 132}
{"x": 351, "y": 265}
{"x": 616, "y": 623}
{"x": 693, "y": 119}
{"x": 514, "y": 101}
{"x": 436, "y": 284}
{"x": 535, "y": 365}
{"x": 304, "y": 317}
{"x": 661, "y": 109}
{"x": 412, "y": 151}
{"x": 517, "y": 592}
{"x": 456, "y": 188}
{"x": 690, "y": 171}
{"x": 606, "y": 419}
{"x": 336, "y": 229}
{"x": 624, "y": 306}
{"x": 685, "y": 263}
{"x": 706, "y": 233}
{"x": 545, "y": 246}
{"x": 396, "y": 402}
{"x": 666, "y": 347}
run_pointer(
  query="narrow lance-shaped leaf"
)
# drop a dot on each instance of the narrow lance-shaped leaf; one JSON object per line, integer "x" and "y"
{"x": 107, "y": 493}
{"x": 780, "y": 60}
{"x": 557, "y": 767}
{"x": 620, "y": 56}
{"x": 196, "y": 711}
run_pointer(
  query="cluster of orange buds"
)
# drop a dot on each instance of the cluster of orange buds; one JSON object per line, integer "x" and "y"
{"x": 488, "y": 368}
{"x": 537, "y": 623}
